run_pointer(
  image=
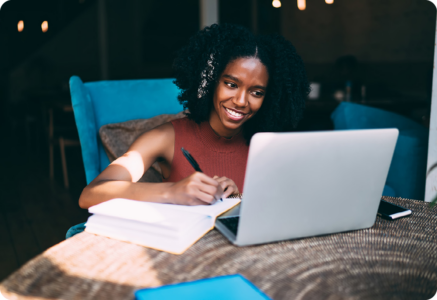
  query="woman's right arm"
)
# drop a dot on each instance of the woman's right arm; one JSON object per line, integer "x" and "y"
{"x": 120, "y": 178}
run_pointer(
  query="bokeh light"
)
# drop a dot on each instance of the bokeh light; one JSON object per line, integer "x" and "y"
{"x": 20, "y": 26}
{"x": 276, "y": 3}
{"x": 301, "y": 4}
{"x": 45, "y": 26}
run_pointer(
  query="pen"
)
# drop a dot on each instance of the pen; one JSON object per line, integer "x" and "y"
{"x": 192, "y": 162}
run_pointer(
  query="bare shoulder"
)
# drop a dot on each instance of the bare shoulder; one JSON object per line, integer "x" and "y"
{"x": 166, "y": 129}
{"x": 156, "y": 142}
{"x": 162, "y": 133}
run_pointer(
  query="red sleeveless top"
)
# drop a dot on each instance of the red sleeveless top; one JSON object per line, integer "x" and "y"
{"x": 215, "y": 155}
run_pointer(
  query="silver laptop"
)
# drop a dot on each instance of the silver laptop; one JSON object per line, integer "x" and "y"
{"x": 310, "y": 183}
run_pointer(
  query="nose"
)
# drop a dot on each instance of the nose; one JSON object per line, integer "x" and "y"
{"x": 240, "y": 98}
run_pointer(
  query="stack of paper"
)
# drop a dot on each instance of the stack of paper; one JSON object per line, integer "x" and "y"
{"x": 166, "y": 227}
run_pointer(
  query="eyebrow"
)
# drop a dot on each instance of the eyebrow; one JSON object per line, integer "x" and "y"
{"x": 239, "y": 81}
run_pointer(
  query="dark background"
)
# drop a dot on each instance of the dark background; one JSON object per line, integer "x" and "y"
{"x": 391, "y": 40}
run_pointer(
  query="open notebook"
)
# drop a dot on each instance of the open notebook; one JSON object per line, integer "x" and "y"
{"x": 166, "y": 227}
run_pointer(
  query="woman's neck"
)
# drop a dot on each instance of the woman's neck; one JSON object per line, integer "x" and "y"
{"x": 219, "y": 129}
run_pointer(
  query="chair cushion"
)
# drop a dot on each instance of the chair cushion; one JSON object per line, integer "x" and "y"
{"x": 408, "y": 167}
{"x": 117, "y": 138}
{"x": 407, "y": 174}
{"x": 356, "y": 116}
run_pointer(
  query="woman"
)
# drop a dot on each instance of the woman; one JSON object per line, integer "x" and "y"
{"x": 233, "y": 84}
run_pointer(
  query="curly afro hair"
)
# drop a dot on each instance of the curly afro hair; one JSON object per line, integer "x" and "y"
{"x": 200, "y": 64}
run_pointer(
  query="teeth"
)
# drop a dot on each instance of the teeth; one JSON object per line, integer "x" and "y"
{"x": 235, "y": 114}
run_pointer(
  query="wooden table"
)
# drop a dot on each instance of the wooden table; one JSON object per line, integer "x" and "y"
{"x": 391, "y": 260}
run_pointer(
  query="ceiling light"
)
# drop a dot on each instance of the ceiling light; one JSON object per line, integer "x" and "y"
{"x": 329, "y": 1}
{"x": 276, "y": 3}
{"x": 44, "y": 26}
{"x": 301, "y": 4}
{"x": 20, "y": 26}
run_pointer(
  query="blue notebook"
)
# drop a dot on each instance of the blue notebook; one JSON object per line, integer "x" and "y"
{"x": 230, "y": 287}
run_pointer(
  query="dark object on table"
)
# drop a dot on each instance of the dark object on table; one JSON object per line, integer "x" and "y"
{"x": 392, "y": 211}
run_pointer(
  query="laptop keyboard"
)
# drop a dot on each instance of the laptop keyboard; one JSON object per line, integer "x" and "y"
{"x": 231, "y": 223}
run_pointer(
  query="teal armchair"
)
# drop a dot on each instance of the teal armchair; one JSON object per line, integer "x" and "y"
{"x": 406, "y": 177}
{"x": 104, "y": 102}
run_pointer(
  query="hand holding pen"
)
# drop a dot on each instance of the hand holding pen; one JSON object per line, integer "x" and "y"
{"x": 196, "y": 189}
{"x": 196, "y": 167}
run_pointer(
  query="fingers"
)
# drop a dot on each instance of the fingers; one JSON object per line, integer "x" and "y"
{"x": 206, "y": 183}
{"x": 204, "y": 188}
{"x": 229, "y": 191}
{"x": 207, "y": 190}
{"x": 194, "y": 201}
{"x": 219, "y": 193}
{"x": 228, "y": 185}
{"x": 192, "y": 195}
{"x": 205, "y": 198}
{"x": 205, "y": 178}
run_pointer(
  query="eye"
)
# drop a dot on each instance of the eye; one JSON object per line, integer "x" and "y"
{"x": 258, "y": 93}
{"x": 230, "y": 84}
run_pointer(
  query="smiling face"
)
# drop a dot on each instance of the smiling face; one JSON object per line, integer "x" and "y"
{"x": 239, "y": 94}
